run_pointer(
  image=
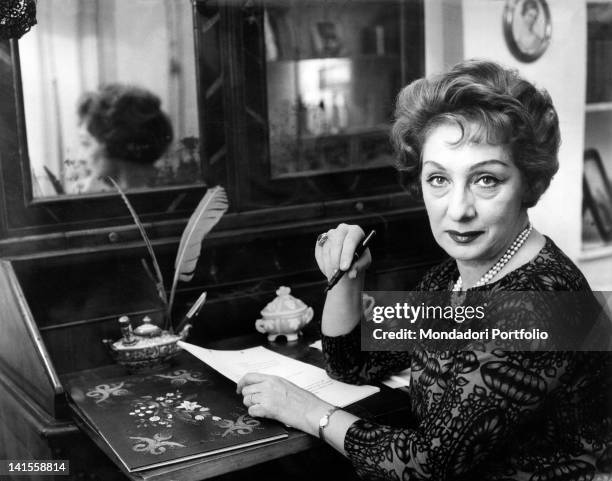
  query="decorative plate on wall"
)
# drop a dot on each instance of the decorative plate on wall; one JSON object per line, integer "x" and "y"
{"x": 527, "y": 28}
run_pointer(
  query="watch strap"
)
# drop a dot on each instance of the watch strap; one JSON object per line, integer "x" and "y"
{"x": 324, "y": 421}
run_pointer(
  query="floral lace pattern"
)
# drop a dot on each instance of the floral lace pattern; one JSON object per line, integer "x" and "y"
{"x": 487, "y": 415}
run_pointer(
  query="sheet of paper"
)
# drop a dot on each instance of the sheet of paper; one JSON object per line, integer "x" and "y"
{"x": 401, "y": 379}
{"x": 235, "y": 364}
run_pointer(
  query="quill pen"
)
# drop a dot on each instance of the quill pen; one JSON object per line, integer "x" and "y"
{"x": 57, "y": 185}
{"x": 210, "y": 209}
{"x": 160, "y": 279}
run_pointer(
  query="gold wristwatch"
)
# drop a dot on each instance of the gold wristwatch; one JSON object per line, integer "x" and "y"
{"x": 324, "y": 421}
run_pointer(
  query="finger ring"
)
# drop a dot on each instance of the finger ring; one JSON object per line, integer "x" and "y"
{"x": 322, "y": 239}
{"x": 251, "y": 399}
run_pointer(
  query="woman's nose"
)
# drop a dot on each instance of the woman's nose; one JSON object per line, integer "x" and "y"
{"x": 461, "y": 204}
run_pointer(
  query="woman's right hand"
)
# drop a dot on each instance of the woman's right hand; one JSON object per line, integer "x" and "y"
{"x": 337, "y": 252}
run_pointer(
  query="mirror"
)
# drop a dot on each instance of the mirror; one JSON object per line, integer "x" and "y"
{"x": 332, "y": 73}
{"x": 110, "y": 89}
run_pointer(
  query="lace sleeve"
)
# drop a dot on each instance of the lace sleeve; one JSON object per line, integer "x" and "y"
{"x": 345, "y": 361}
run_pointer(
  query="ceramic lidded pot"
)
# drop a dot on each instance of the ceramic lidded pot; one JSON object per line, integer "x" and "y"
{"x": 284, "y": 316}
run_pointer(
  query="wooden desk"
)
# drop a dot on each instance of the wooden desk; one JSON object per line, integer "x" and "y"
{"x": 388, "y": 405}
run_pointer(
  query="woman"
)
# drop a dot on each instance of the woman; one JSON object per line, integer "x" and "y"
{"x": 482, "y": 144}
{"x": 122, "y": 132}
{"x": 527, "y": 32}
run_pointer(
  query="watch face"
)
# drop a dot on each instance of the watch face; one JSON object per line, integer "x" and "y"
{"x": 324, "y": 421}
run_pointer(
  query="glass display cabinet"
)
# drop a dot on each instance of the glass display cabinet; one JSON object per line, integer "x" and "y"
{"x": 330, "y": 93}
{"x": 322, "y": 79}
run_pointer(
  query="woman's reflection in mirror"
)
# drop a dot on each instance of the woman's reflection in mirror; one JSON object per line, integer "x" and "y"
{"x": 122, "y": 133}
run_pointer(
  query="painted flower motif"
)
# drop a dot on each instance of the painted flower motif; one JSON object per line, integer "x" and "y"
{"x": 164, "y": 410}
{"x": 103, "y": 391}
{"x": 182, "y": 376}
{"x": 243, "y": 425}
{"x": 189, "y": 406}
{"x": 156, "y": 445}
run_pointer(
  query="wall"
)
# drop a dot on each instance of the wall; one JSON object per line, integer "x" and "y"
{"x": 443, "y": 29}
{"x": 562, "y": 71}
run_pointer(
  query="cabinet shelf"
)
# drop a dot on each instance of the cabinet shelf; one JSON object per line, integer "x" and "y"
{"x": 353, "y": 132}
{"x": 357, "y": 168}
{"x": 599, "y": 107}
{"x": 353, "y": 58}
{"x": 595, "y": 250}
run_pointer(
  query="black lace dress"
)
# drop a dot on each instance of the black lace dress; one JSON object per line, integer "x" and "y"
{"x": 510, "y": 416}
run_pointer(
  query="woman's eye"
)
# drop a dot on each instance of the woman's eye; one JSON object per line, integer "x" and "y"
{"x": 487, "y": 181}
{"x": 436, "y": 181}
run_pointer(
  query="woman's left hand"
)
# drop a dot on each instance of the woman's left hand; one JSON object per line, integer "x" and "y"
{"x": 276, "y": 398}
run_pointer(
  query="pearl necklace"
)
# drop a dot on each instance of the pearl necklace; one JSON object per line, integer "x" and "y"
{"x": 493, "y": 271}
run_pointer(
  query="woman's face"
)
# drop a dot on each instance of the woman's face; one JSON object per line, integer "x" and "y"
{"x": 92, "y": 152}
{"x": 530, "y": 17}
{"x": 473, "y": 194}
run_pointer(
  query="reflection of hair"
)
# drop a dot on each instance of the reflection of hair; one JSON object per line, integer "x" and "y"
{"x": 128, "y": 121}
{"x": 490, "y": 104}
{"x": 529, "y": 5}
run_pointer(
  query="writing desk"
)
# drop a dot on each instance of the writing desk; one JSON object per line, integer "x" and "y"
{"x": 386, "y": 406}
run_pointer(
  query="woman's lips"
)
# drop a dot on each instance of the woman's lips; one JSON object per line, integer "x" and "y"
{"x": 464, "y": 237}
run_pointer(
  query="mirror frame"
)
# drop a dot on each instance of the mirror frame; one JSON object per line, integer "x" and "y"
{"x": 21, "y": 214}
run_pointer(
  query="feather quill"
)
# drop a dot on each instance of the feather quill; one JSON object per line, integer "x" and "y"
{"x": 209, "y": 211}
{"x": 160, "y": 280}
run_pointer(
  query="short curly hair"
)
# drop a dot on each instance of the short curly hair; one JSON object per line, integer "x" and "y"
{"x": 127, "y": 121}
{"x": 491, "y": 104}
{"x": 529, "y": 5}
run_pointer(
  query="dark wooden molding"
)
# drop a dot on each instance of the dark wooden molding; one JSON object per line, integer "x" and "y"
{"x": 263, "y": 222}
{"x": 46, "y": 425}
